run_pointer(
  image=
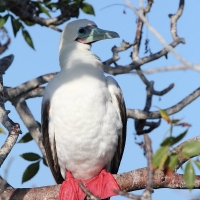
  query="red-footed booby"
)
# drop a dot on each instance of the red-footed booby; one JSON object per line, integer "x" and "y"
{"x": 83, "y": 116}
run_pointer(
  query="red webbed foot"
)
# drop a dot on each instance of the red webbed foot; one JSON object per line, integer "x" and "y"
{"x": 101, "y": 186}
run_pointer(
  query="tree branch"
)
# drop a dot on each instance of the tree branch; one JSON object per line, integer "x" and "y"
{"x": 26, "y": 11}
{"x": 141, "y": 61}
{"x": 11, "y": 93}
{"x": 29, "y": 121}
{"x": 13, "y": 128}
{"x": 130, "y": 181}
{"x": 139, "y": 114}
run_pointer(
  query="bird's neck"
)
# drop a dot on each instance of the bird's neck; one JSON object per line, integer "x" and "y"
{"x": 76, "y": 53}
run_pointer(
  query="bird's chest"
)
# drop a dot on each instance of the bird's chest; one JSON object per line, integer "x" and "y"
{"x": 85, "y": 125}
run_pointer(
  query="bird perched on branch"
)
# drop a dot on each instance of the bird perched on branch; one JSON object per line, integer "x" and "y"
{"x": 83, "y": 116}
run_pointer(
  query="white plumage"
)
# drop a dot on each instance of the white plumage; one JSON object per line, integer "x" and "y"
{"x": 84, "y": 122}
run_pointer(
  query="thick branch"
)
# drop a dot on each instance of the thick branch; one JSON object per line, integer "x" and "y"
{"x": 130, "y": 181}
{"x": 11, "y": 93}
{"x": 28, "y": 119}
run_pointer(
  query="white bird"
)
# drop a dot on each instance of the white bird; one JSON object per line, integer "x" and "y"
{"x": 83, "y": 112}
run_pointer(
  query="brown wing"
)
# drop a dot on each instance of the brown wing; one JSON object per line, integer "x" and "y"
{"x": 50, "y": 147}
{"x": 117, "y": 96}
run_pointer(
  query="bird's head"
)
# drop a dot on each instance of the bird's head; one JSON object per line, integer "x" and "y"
{"x": 84, "y": 31}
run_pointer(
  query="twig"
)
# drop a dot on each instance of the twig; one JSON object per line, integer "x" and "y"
{"x": 139, "y": 114}
{"x": 123, "y": 69}
{"x": 128, "y": 195}
{"x": 138, "y": 35}
{"x": 148, "y": 149}
{"x": 115, "y": 50}
{"x": 174, "y": 19}
{"x": 169, "y": 69}
{"x": 159, "y": 36}
{"x": 87, "y": 192}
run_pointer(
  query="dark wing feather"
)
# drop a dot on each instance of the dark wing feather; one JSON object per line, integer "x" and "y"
{"x": 114, "y": 165}
{"x": 50, "y": 149}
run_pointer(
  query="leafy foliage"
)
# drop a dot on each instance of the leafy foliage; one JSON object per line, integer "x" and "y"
{"x": 30, "y": 156}
{"x": 189, "y": 175}
{"x": 30, "y": 171}
{"x": 33, "y": 168}
{"x": 166, "y": 159}
{"x": 26, "y": 138}
{"x": 31, "y": 9}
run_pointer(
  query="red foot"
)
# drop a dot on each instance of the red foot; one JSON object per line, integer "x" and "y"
{"x": 101, "y": 186}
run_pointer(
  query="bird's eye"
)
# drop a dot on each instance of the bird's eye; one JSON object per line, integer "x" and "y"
{"x": 81, "y": 30}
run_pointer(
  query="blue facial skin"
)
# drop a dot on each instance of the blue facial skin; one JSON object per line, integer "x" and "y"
{"x": 90, "y": 34}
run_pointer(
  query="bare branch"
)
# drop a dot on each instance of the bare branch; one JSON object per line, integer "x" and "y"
{"x": 160, "y": 38}
{"x": 10, "y": 141}
{"x": 139, "y": 114}
{"x": 5, "y": 63}
{"x": 115, "y": 50}
{"x": 13, "y": 128}
{"x": 137, "y": 63}
{"x": 174, "y": 19}
{"x": 138, "y": 35}
{"x": 130, "y": 181}
{"x": 37, "y": 92}
{"x": 28, "y": 119}
{"x": 87, "y": 192}
{"x": 128, "y": 195}
{"x": 11, "y": 93}
{"x": 169, "y": 69}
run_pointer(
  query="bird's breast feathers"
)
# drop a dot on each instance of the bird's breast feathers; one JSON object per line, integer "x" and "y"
{"x": 84, "y": 121}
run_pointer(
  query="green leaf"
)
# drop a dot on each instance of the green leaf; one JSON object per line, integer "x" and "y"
{"x": 172, "y": 161}
{"x": 165, "y": 116}
{"x": 180, "y": 137}
{"x": 3, "y": 20}
{"x": 30, "y": 171}
{"x": 160, "y": 157}
{"x": 173, "y": 140}
{"x": 191, "y": 149}
{"x": 16, "y": 25}
{"x": 44, "y": 162}
{"x": 189, "y": 175}
{"x": 27, "y": 38}
{"x": 30, "y": 156}
{"x": 28, "y": 23}
{"x": 26, "y": 138}
{"x": 44, "y": 10}
{"x": 197, "y": 163}
{"x": 168, "y": 141}
{"x": 87, "y": 8}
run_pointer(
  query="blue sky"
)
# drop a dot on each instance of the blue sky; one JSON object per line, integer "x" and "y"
{"x": 29, "y": 64}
